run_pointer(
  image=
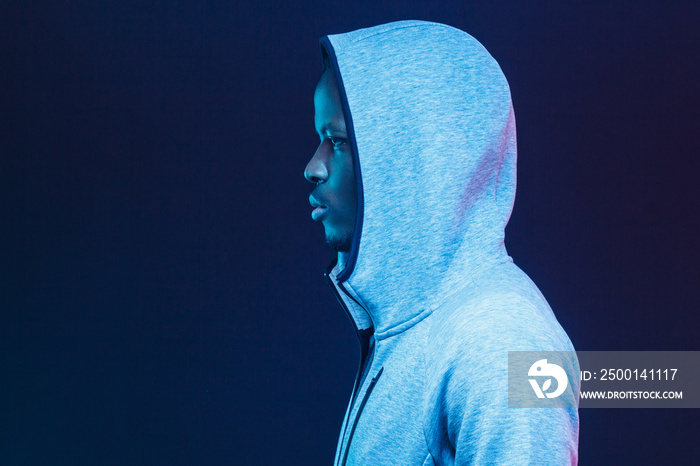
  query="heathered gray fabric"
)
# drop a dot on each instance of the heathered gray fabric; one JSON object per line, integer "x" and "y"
{"x": 436, "y": 148}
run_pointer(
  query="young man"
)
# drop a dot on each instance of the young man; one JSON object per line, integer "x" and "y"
{"x": 414, "y": 184}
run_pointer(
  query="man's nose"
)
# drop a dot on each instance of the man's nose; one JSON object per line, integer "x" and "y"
{"x": 317, "y": 169}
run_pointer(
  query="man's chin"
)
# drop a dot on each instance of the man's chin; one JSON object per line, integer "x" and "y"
{"x": 339, "y": 243}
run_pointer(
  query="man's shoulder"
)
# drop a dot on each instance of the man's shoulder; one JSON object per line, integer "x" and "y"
{"x": 466, "y": 384}
{"x": 499, "y": 311}
{"x": 471, "y": 335}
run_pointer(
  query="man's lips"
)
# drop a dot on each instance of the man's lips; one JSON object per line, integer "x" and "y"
{"x": 319, "y": 209}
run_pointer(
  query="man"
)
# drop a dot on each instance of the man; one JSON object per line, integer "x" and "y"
{"x": 414, "y": 184}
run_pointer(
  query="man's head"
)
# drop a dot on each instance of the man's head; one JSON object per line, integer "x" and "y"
{"x": 331, "y": 168}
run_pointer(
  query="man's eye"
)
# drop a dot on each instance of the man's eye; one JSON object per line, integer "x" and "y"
{"x": 337, "y": 142}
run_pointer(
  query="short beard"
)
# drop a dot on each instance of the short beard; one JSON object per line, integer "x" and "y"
{"x": 340, "y": 244}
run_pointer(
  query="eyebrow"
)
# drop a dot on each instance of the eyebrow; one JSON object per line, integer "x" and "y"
{"x": 331, "y": 127}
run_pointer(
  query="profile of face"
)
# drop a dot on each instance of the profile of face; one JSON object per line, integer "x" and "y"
{"x": 334, "y": 197}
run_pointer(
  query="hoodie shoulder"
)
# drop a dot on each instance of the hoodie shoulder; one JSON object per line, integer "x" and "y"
{"x": 500, "y": 310}
{"x": 467, "y": 379}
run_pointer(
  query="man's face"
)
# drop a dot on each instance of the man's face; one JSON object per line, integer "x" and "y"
{"x": 331, "y": 168}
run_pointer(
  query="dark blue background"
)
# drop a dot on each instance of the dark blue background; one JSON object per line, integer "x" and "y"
{"x": 161, "y": 288}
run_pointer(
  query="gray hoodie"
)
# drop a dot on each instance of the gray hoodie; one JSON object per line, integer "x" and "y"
{"x": 428, "y": 284}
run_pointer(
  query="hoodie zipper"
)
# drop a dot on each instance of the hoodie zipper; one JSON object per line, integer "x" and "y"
{"x": 359, "y": 412}
{"x": 365, "y": 364}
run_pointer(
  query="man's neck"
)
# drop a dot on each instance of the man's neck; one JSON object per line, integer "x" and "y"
{"x": 342, "y": 260}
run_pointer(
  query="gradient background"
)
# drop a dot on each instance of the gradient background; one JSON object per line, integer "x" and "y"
{"x": 161, "y": 290}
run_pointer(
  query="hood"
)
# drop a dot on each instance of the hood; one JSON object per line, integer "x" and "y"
{"x": 430, "y": 118}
